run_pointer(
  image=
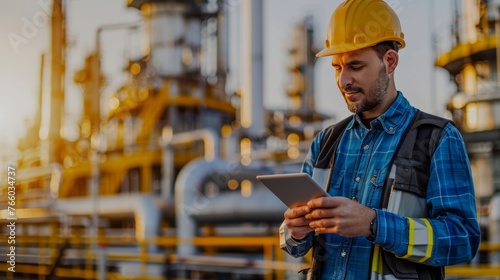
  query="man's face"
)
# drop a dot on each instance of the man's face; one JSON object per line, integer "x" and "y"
{"x": 363, "y": 81}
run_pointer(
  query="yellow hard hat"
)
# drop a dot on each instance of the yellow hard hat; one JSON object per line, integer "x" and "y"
{"x": 357, "y": 24}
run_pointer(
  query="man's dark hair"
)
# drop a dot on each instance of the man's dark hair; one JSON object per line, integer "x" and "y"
{"x": 382, "y": 47}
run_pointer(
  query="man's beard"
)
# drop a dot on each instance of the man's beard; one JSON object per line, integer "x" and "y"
{"x": 374, "y": 97}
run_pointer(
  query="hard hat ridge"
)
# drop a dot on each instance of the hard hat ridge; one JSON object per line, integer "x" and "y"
{"x": 357, "y": 24}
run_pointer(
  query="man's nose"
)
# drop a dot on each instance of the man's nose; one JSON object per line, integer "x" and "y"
{"x": 344, "y": 78}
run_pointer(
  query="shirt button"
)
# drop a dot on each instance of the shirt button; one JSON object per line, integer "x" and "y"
{"x": 366, "y": 147}
{"x": 373, "y": 178}
{"x": 354, "y": 198}
{"x": 343, "y": 254}
{"x": 357, "y": 179}
{"x": 391, "y": 128}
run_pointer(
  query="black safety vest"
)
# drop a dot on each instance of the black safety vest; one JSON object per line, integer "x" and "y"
{"x": 412, "y": 160}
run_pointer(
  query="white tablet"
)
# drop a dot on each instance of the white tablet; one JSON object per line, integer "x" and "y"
{"x": 293, "y": 189}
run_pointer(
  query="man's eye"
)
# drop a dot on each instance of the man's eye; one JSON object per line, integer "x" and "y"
{"x": 356, "y": 68}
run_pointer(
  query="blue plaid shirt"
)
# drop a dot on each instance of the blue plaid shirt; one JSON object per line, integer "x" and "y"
{"x": 362, "y": 161}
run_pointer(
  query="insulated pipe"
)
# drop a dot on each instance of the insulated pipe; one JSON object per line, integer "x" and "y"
{"x": 211, "y": 143}
{"x": 50, "y": 133}
{"x": 145, "y": 209}
{"x": 189, "y": 201}
{"x": 192, "y": 206}
{"x": 166, "y": 28}
{"x": 231, "y": 207}
{"x": 252, "y": 97}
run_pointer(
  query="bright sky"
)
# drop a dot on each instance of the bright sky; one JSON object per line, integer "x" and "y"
{"x": 25, "y": 30}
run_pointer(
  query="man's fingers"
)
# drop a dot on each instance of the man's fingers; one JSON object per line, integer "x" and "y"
{"x": 297, "y": 222}
{"x": 297, "y": 212}
{"x": 321, "y": 213}
{"x": 323, "y": 223}
{"x": 323, "y": 202}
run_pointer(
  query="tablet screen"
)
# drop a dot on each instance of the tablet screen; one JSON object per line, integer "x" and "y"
{"x": 294, "y": 189}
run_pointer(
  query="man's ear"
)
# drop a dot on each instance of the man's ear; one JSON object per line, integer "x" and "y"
{"x": 391, "y": 59}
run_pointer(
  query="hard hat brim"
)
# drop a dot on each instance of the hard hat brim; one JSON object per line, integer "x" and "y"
{"x": 349, "y": 47}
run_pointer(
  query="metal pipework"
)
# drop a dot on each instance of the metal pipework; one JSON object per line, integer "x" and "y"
{"x": 186, "y": 186}
{"x": 193, "y": 207}
{"x": 252, "y": 97}
{"x": 211, "y": 142}
{"x": 146, "y": 209}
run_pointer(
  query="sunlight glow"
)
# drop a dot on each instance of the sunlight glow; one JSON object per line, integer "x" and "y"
{"x": 16, "y": 110}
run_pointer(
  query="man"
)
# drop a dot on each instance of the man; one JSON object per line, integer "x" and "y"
{"x": 360, "y": 239}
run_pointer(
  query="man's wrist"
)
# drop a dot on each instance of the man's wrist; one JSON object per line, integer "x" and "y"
{"x": 373, "y": 228}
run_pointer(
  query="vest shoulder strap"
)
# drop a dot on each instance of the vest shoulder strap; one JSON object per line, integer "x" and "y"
{"x": 330, "y": 142}
{"x": 424, "y": 136}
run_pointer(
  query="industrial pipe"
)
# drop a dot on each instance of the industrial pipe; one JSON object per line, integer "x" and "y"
{"x": 194, "y": 207}
{"x": 211, "y": 143}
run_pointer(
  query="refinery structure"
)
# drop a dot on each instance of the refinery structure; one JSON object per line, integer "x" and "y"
{"x": 161, "y": 185}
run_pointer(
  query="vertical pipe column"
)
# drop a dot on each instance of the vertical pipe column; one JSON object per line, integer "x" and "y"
{"x": 308, "y": 98}
{"x": 252, "y": 105}
{"x": 167, "y": 27}
{"x": 52, "y": 140}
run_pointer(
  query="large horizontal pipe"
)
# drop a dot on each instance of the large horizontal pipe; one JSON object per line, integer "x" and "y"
{"x": 193, "y": 206}
{"x": 146, "y": 210}
{"x": 230, "y": 207}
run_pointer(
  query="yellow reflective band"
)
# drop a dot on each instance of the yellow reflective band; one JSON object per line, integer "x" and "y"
{"x": 377, "y": 260}
{"x": 411, "y": 238}
{"x": 430, "y": 238}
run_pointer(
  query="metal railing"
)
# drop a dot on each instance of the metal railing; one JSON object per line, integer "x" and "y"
{"x": 37, "y": 255}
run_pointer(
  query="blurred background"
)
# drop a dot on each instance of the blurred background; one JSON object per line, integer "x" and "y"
{"x": 135, "y": 128}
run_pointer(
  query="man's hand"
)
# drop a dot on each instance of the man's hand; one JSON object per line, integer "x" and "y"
{"x": 339, "y": 215}
{"x": 297, "y": 224}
